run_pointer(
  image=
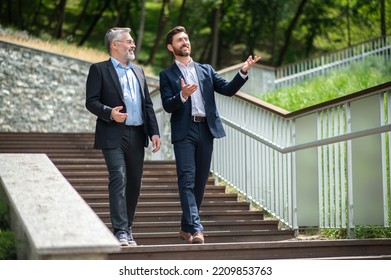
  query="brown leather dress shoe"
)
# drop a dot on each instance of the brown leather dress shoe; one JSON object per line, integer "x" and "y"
{"x": 198, "y": 238}
{"x": 186, "y": 236}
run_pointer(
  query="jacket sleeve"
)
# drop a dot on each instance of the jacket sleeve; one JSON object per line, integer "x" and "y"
{"x": 170, "y": 89}
{"x": 153, "y": 127}
{"x": 224, "y": 87}
{"x": 94, "y": 86}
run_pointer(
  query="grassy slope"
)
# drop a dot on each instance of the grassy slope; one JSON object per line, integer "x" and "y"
{"x": 358, "y": 76}
{"x": 54, "y": 46}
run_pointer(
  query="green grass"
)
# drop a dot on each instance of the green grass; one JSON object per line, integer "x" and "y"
{"x": 360, "y": 232}
{"x": 358, "y": 76}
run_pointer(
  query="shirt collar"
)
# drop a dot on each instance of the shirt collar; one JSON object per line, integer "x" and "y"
{"x": 118, "y": 64}
{"x": 181, "y": 65}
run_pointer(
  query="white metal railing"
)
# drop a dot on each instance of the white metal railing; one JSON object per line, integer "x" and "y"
{"x": 298, "y": 72}
{"x": 264, "y": 79}
{"x": 318, "y": 167}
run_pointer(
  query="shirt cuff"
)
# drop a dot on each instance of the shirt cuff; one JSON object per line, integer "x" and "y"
{"x": 183, "y": 100}
{"x": 244, "y": 76}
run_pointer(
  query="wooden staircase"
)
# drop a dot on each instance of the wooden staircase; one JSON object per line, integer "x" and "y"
{"x": 232, "y": 229}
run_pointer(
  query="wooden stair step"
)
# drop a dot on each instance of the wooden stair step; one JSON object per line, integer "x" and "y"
{"x": 206, "y": 215}
{"x": 157, "y": 197}
{"x": 227, "y": 225}
{"x": 101, "y": 172}
{"x": 160, "y": 238}
{"x": 264, "y": 250}
{"x": 102, "y": 189}
{"x": 171, "y": 206}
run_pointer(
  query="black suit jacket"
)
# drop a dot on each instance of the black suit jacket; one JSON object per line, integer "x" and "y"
{"x": 209, "y": 83}
{"x": 103, "y": 93}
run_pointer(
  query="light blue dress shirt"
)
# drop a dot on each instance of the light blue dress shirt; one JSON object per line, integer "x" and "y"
{"x": 131, "y": 90}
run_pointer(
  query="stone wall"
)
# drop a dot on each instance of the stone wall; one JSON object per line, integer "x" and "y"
{"x": 42, "y": 92}
{"x": 45, "y": 92}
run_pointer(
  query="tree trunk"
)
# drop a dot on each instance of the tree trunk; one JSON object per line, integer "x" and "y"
{"x": 141, "y": 29}
{"x": 162, "y": 23}
{"x": 289, "y": 31}
{"x": 81, "y": 17}
{"x": 383, "y": 18}
{"x": 348, "y": 22}
{"x": 182, "y": 13}
{"x": 21, "y": 22}
{"x": 215, "y": 32}
{"x": 60, "y": 11}
{"x": 122, "y": 12}
{"x": 94, "y": 22}
{"x": 9, "y": 16}
{"x": 35, "y": 17}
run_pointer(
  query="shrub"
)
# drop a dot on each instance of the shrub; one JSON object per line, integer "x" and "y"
{"x": 7, "y": 239}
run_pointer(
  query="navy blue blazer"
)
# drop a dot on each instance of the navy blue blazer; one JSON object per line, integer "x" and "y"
{"x": 103, "y": 93}
{"x": 209, "y": 83}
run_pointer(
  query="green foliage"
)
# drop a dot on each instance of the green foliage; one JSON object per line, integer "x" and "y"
{"x": 7, "y": 239}
{"x": 4, "y": 216}
{"x": 360, "y": 232}
{"x": 358, "y": 76}
{"x": 333, "y": 233}
{"x": 363, "y": 232}
{"x": 245, "y": 27}
{"x": 7, "y": 245}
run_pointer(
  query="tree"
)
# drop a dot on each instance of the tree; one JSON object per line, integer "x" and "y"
{"x": 141, "y": 29}
{"x": 182, "y": 13}
{"x": 60, "y": 15}
{"x": 163, "y": 18}
{"x": 383, "y": 28}
{"x": 94, "y": 22}
{"x": 122, "y": 9}
{"x": 289, "y": 31}
{"x": 224, "y": 32}
{"x": 81, "y": 17}
{"x": 215, "y": 33}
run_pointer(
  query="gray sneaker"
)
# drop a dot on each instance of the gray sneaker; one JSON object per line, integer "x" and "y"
{"x": 131, "y": 241}
{"x": 122, "y": 237}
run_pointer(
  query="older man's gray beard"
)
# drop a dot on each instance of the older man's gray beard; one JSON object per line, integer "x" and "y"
{"x": 131, "y": 57}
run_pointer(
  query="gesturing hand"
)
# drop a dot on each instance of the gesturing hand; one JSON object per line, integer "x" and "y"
{"x": 187, "y": 89}
{"x": 250, "y": 62}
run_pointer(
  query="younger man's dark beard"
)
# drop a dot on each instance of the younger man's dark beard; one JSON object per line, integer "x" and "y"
{"x": 181, "y": 53}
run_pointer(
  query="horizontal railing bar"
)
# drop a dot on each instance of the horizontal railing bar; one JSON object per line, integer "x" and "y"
{"x": 317, "y": 143}
{"x": 337, "y": 139}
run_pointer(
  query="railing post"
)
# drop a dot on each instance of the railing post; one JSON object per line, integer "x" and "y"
{"x": 307, "y": 192}
{"x": 366, "y": 158}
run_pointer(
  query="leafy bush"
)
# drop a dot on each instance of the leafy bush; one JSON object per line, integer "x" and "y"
{"x": 7, "y": 239}
{"x": 7, "y": 245}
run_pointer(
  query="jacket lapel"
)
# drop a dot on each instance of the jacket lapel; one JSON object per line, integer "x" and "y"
{"x": 175, "y": 69}
{"x": 201, "y": 77}
{"x": 115, "y": 78}
{"x": 177, "y": 72}
{"x": 140, "y": 78}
